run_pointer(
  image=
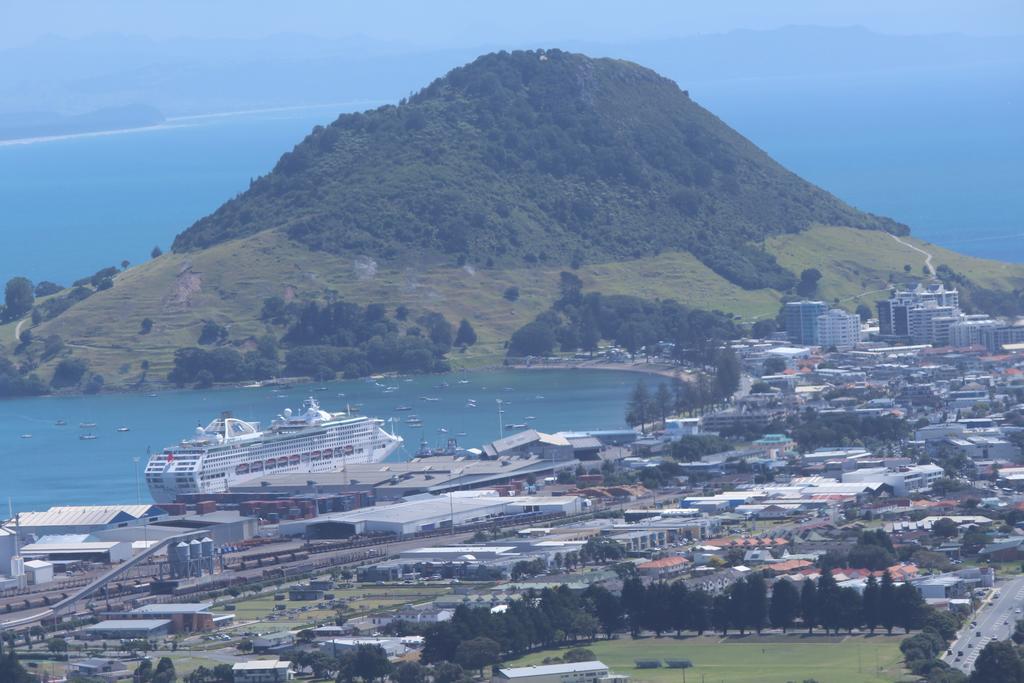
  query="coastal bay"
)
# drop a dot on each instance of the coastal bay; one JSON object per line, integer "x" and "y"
{"x": 56, "y": 467}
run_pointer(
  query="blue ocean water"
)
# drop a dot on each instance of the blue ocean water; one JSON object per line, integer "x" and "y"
{"x": 87, "y": 202}
{"x": 55, "y": 467}
{"x": 941, "y": 152}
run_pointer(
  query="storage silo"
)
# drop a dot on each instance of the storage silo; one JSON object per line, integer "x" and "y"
{"x": 178, "y": 557}
{"x": 207, "y": 548}
{"x": 195, "y": 557}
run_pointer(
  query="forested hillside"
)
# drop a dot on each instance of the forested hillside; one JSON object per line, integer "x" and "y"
{"x": 536, "y": 157}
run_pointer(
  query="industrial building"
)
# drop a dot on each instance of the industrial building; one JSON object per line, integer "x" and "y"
{"x": 428, "y": 513}
{"x": 84, "y": 519}
{"x": 531, "y": 442}
{"x": 67, "y": 551}
{"x": 183, "y": 617}
{"x": 574, "y": 672}
{"x": 262, "y": 671}
{"x": 126, "y": 629}
{"x": 393, "y": 480}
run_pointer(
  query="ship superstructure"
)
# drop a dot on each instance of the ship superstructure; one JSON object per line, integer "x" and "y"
{"x": 229, "y": 450}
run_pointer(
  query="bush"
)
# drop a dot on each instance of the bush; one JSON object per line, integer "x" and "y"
{"x": 68, "y": 373}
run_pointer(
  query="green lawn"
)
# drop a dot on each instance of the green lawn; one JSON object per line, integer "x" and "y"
{"x": 769, "y": 659}
{"x": 357, "y": 601}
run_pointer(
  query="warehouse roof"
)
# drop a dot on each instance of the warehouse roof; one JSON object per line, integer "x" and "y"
{"x": 128, "y": 625}
{"x": 552, "y": 669}
{"x": 88, "y": 515}
{"x": 84, "y": 547}
{"x": 174, "y": 608}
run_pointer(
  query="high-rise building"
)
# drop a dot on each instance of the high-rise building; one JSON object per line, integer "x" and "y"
{"x": 967, "y": 331}
{"x": 912, "y": 313}
{"x": 838, "y": 329}
{"x": 993, "y": 338}
{"x": 801, "y": 319}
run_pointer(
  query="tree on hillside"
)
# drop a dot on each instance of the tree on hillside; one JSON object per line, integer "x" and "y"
{"x": 785, "y": 604}
{"x": 533, "y": 339}
{"x": 146, "y": 326}
{"x": 157, "y": 251}
{"x": 808, "y": 285}
{"x": 68, "y": 373}
{"x": 18, "y": 297}
{"x": 164, "y": 672}
{"x": 511, "y": 293}
{"x": 809, "y": 604}
{"x": 466, "y": 336}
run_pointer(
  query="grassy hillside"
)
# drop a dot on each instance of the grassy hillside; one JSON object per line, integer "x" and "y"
{"x": 228, "y": 282}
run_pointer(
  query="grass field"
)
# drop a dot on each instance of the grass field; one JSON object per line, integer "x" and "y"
{"x": 769, "y": 659}
{"x": 228, "y": 283}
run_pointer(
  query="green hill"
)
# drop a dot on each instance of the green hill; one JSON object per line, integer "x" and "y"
{"x": 500, "y": 175}
{"x": 539, "y": 157}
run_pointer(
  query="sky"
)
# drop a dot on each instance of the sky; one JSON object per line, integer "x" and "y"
{"x": 453, "y": 23}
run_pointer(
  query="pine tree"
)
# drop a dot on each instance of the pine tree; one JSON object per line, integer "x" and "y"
{"x": 828, "y": 602}
{"x": 639, "y": 407}
{"x": 785, "y": 604}
{"x": 871, "y": 603}
{"x": 887, "y": 603}
{"x": 809, "y": 605}
{"x": 910, "y": 607}
{"x": 755, "y": 601}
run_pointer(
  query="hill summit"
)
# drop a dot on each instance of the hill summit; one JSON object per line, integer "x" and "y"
{"x": 542, "y": 157}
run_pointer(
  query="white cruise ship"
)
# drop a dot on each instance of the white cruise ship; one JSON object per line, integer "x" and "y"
{"x": 229, "y": 450}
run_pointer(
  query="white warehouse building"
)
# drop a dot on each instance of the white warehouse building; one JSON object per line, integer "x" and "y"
{"x": 428, "y": 512}
{"x": 903, "y": 482}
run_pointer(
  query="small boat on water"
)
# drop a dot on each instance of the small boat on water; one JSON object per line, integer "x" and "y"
{"x": 442, "y": 430}
{"x": 123, "y": 429}
{"x": 517, "y": 426}
{"x": 61, "y": 423}
{"x": 530, "y": 417}
{"x": 461, "y": 434}
{"x": 87, "y": 437}
{"x": 463, "y": 381}
{"x": 150, "y": 395}
{"x": 26, "y": 436}
{"x": 86, "y": 425}
{"x": 400, "y": 408}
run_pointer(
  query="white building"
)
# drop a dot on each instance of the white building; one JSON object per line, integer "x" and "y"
{"x": 39, "y": 572}
{"x": 262, "y": 671}
{"x": 968, "y": 331}
{"x": 903, "y": 482}
{"x": 839, "y": 329}
{"x": 575, "y": 672}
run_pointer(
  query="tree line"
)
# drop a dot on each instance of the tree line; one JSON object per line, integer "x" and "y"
{"x": 579, "y": 321}
{"x": 555, "y": 617}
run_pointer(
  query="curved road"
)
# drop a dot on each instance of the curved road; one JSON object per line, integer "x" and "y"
{"x": 927, "y": 255}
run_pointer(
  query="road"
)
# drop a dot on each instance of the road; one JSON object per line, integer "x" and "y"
{"x": 995, "y": 621}
{"x": 927, "y": 255}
